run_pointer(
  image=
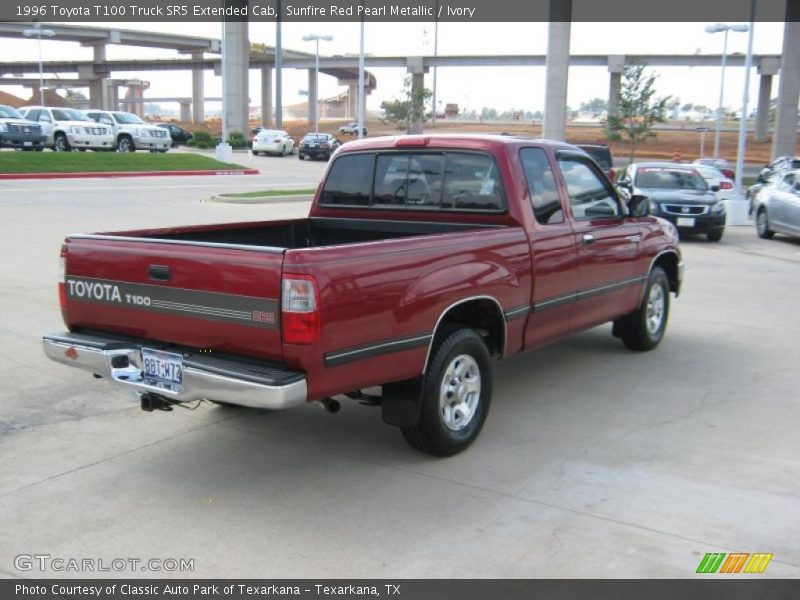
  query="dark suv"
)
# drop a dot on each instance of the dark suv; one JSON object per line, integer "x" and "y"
{"x": 602, "y": 156}
{"x": 17, "y": 132}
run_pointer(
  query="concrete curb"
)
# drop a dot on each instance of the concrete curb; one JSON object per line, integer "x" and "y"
{"x": 262, "y": 199}
{"x": 107, "y": 174}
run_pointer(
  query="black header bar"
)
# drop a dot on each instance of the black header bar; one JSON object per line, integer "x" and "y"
{"x": 184, "y": 11}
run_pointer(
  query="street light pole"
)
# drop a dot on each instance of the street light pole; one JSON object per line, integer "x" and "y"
{"x": 316, "y": 38}
{"x": 361, "y": 98}
{"x": 722, "y": 27}
{"x": 37, "y": 31}
{"x": 435, "y": 55}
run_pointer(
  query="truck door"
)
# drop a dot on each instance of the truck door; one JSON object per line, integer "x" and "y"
{"x": 553, "y": 252}
{"x": 608, "y": 244}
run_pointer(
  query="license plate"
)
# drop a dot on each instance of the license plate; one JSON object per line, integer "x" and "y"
{"x": 685, "y": 222}
{"x": 312, "y": 145}
{"x": 27, "y": 143}
{"x": 162, "y": 369}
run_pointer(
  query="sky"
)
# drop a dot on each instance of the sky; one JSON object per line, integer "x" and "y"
{"x": 472, "y": 88}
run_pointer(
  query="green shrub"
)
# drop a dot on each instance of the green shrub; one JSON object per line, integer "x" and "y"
{"x": 237, "y": 139}
{"x": 202, "y": 136}
{"x": 202, "y": 145}
{"x": 191, "y": 142}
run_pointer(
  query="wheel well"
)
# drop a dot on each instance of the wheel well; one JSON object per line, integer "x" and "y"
{"x": 483, "y": 315}
{"x": 669, "y": 262}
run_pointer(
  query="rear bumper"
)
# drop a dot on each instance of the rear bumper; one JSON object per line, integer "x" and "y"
{"x": 221, "y": 378}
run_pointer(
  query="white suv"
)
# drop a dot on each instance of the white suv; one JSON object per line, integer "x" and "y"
{"x": 131, "y": 133}
{"x": 67, "y": 129}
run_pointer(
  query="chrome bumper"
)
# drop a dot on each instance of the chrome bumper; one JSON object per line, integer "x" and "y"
{"x": 119, "y": 361}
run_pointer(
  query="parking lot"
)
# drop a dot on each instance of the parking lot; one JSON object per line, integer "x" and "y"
{"x": 594, "y": 462}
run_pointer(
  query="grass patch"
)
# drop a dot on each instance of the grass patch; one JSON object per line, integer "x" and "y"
{"x": 269, "y": 193}
{"x": 87, "y": 162}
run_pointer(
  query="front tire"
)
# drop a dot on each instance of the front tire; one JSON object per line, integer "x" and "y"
{"x": 60, "y": 143}
{"x": 762, "y": 225}
{"x": 125, "y": 144}
{"x": 644, "y": 328}
{"x": 714, "y": 236}
{"x": 455, "y": 396}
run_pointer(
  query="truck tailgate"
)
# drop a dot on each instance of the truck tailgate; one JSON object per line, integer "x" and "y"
{"x": 213, "y": 298}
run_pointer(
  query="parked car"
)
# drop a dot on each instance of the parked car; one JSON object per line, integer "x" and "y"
{"x": 679, "y": 194}
{"x": 17, "y": 132}
{"x": 422, "y": 259}
{"x": 317, "y": 145}
{"x": 718, "y": 163}
{"x": 273, "y": 141}
{"x": 131, "y": 133}
{"x": 716, "y": 178}
{"x": 179, "y": 135}
{"x": 602, "y": 156}
{"x": 69, "y": 129}
{"x": 777, "y": 207}
{"x": 351, "y": 129}
{"x": 768, "y": 174}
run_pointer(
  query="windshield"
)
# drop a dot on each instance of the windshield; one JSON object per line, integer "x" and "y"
{"x": 124, "y": 118}
{"x": 672, "y": 179}
{"x": 68, "y": 114}
{"x": 6, "y": 112}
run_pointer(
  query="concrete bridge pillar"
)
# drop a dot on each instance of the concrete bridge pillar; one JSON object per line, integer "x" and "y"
{"x": 110, "y": 95}
{"x": 266, "y": 96}
{"x": 313, "y": 100}
{"x": 616, "y": 65}
{"x": 236, "y": 56}
{"x": 767, "y": 69}
{"x": 557, "y": 71}
{"x": 784, "y": 138}
{"x": 96, "y": 87}
{"x": 352, "y": 101}
{"x": 186, "y": 110}
{"x": 198, "y": 112}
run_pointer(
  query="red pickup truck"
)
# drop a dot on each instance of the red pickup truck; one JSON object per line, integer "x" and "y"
{"x": 422, "y": 259}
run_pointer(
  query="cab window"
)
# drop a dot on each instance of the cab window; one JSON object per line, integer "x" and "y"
{"x": 542, "y": 186}
{"x": 589, "y": 195}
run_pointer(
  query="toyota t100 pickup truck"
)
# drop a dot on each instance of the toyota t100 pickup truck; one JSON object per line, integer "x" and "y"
{"x": 422, "y": 259}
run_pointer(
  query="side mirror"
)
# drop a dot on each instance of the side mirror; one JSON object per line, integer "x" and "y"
{"x": 45, "y": 119}
{"x": 638, "y": 205}
{"x": 714, "y": 188}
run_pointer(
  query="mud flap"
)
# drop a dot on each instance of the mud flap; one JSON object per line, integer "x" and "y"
{"x": 401, "y": 403}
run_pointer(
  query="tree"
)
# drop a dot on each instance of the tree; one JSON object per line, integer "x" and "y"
{"x": 409, "y": 108}
{"x": 595, "y": 106}
{"x": 639, "y": 109}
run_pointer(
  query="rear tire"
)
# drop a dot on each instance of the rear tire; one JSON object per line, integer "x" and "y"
{"x": 456, "y": 392}
{"x": 762, "y": 225}
{"x": 644, "y": 328}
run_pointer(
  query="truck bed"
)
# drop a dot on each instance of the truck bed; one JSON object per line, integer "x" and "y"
{"x": 308, "y": 233}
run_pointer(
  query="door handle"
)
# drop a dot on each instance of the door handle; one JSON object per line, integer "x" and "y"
{"x": 159, "y": 272}
{"x": 587, "y": 238}
{"x": 634, "y": 238}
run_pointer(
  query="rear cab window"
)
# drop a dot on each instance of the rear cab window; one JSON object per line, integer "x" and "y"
{"x": 427, "y": 180}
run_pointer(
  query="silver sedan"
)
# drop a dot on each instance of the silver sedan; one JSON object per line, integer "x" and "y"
{"x": 777, "y": 207}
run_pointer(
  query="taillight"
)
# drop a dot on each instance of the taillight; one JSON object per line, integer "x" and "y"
{"x": 62, "y": 277}
{"x": 612, "y": 175}
{"x": 300, "y": 322}
{"x": 725, "y": 185}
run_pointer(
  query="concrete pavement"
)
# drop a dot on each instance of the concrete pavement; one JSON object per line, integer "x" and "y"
{"x": 594, "y": 462}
